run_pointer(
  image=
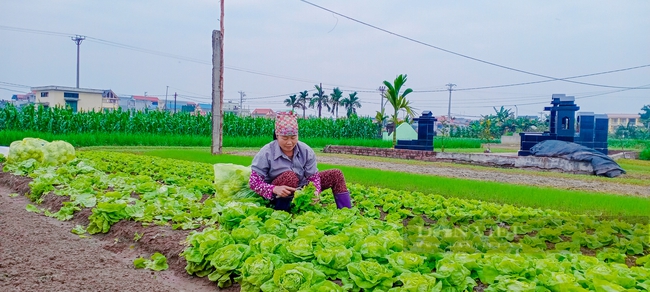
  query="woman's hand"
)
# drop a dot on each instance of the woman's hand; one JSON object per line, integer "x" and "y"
{"x": 283, "y": 191}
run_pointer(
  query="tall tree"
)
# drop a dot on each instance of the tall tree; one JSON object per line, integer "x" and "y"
{"x": 292, "y": 102}
{"x": 335, "y": 100}
{"x": 303, "y": 99}
{"x": 645, "y": 116}
{"x": 351, "y": 103}
{"x": 319, "y": 100}
{"x": 398, "y": 100}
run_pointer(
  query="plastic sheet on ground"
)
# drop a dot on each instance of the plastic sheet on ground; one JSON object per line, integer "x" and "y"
{"x": 603, "y": 165}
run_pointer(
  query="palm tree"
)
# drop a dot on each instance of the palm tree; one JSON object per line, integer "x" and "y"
{"x": 351, "y": 103}
{"x": 303, "y": 101}
{"x": 398, "y": 100}
{"x": 335, "y": 100}
{"x": 292, "y": 102}
{"x": 381, "y": 118}
{"x": 319, "y": 101}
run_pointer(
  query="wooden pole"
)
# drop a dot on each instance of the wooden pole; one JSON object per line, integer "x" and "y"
{"x": 217, "y": 87}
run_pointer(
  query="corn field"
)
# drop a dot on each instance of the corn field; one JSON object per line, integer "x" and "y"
{"x": 64, "y": 121}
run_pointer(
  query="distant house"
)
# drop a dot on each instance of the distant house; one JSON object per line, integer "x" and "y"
{"x": 23, "y": 99}
{"x": 203, "y": 108}
{"x": 145, "y": 102}
{"x": 180, "y": 106}
{"x": 263, "y": 113}
{"x": 617, "y": 120}
{"x": 126, "y": 102}
{"x": 228, "y": 107}
{"x": 83, "y": 99}
{"x": 458, "y": 122}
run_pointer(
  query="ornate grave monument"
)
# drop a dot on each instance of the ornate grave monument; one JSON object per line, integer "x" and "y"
{"x": 426, "y": 133}
{"x": 591, "y": 128}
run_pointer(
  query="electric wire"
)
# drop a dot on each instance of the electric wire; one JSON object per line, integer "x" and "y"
{"x": 462, "y": 55}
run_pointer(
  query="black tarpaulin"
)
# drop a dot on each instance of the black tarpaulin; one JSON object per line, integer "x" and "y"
{"x": 603, "y": 165}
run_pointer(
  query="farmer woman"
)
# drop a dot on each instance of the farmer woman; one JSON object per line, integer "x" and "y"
{"x": 286, "y": 164}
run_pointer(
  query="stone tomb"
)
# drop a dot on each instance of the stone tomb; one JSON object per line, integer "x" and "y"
{"x": 426, "y": 133}
{"x": 591, "y": 128}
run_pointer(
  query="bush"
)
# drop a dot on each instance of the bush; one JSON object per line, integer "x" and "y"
{"x": 645, "y": 154}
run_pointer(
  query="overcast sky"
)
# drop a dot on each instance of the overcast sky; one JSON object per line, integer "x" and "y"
{"x": 294, "y": 45}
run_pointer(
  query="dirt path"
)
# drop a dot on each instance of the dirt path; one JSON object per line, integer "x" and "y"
{"x": 483, "y": 175}
{"x": 38, "y": 253}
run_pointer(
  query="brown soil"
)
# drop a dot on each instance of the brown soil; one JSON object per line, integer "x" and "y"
{"x": 38, "y": 253}
{"x": 484, "y": 175}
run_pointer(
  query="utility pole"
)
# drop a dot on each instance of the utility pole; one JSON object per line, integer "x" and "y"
{"x": 166, "y": 90}
{"x": 516, "y": 111}
{"x": 175, "y": 109}
{"x": 382, "y": 89}
{"x": 217, "y": 86}
{"x": 451, "y": 85}
{"x": 78, "y": 39}
{"x": 241, "y": 101}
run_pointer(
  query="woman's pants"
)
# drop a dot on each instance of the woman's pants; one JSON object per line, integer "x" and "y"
{"x": 328, "y": 179}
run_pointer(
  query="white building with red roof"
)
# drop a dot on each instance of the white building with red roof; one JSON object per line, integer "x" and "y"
{"x": 263, "y": 113}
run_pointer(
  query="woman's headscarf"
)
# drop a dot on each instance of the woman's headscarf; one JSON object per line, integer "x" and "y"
{"x": 286, "y": 124}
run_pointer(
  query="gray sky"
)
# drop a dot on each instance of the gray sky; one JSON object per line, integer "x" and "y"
{"x": 295, "y": 45}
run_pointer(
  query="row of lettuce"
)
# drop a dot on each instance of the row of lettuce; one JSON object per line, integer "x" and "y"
{"x": 391, "y": 241}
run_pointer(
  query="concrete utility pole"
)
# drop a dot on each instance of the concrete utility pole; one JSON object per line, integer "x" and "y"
{"x": 175, "y": 109}
{"x": 382, "y": 89}
{"x": 166, "y": 90}
{"x": 241, "y": 101}
{"x": 516, "y": 111}
{"x": 78, "y": 39}
{"x": 217, "y": 86}
{"x": 451, "y": 85}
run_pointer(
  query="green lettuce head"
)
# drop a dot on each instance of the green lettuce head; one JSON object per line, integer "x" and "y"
{"x": 294, "y": 278}
{"x": 368, "y": 275}
{"x": 257, "y": 270}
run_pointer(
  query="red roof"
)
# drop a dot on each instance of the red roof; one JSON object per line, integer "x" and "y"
{"x": 263, "y": 111}
{"x": 147, "y": 98}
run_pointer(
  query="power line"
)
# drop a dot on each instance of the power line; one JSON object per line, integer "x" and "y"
{"x": 541, "y": 81}
{"x": 279, "y": 95}
{"x": 14, "y": 84}
{"x": 13, "y": 90}
{"x": 345, "y": 88}
{"x": 577, "y": 97}
{"x": 196, "y": 94}
{"x": 459, "y": 54}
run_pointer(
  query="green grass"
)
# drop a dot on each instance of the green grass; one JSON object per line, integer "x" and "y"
{"x": 578, "y": 202}
{"x": 109, "y": 139}
{"x": 139, "y": 139}
{"x": 627, "y": 144}
{"x": 638, "y": 172}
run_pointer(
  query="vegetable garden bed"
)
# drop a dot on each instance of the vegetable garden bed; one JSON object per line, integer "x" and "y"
{"x": 392, "y": 240}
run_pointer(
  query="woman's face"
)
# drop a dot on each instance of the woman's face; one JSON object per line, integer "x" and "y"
{"x": 287, "y": 143}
